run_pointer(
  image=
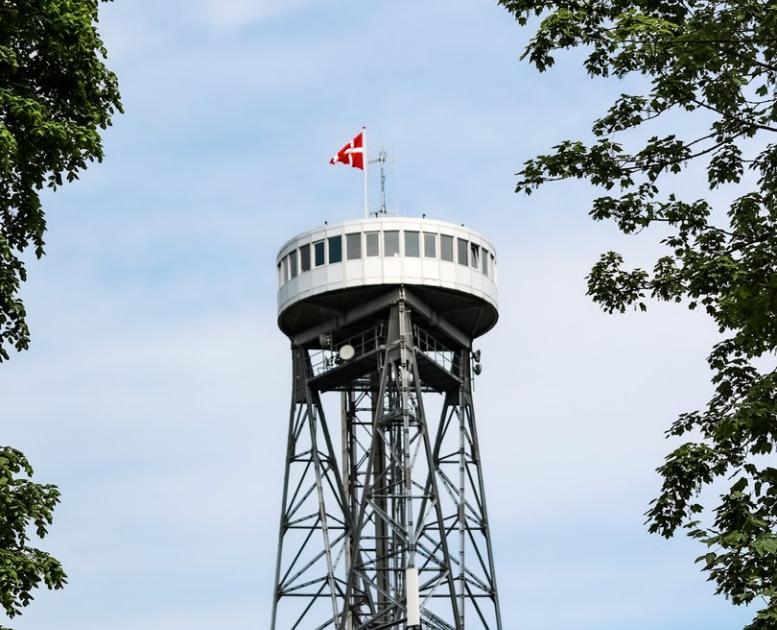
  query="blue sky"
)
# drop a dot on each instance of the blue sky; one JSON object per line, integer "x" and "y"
{"x": 156, "y": 390}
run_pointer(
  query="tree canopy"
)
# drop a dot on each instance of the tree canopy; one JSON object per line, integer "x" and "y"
{"x": 56, "y": 94}
{"x": 711, "y": 66}
{"x": 24, "y": 506}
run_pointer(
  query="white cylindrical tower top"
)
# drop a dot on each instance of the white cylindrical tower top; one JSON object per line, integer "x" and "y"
{"x": 327, "y": 270}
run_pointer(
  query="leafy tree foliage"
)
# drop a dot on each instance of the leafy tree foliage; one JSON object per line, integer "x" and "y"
{"x": 24, "y": 506}
{"x": 716, "y": 62}
{"x": 55, "y": 96}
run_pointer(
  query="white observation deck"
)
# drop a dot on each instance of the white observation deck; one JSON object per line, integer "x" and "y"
{"x": 333, "y": 268}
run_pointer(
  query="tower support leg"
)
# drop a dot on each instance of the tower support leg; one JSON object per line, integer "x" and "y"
{"x": 459, "y": 465}
{"x": 314, "y": 526}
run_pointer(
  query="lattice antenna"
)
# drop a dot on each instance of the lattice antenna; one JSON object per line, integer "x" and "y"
{"x": 382, "y": 160}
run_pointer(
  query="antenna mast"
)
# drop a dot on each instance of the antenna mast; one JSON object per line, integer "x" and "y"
{"x": 382, "y": 159}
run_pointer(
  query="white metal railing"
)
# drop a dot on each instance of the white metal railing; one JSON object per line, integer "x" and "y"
{"x": 326, "y": 359}
{"x": 433, "y": 349}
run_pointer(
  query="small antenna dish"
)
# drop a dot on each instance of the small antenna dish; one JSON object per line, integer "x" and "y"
{"x": 476, "y": 356}
{"x": 477, "y": 369}
{"x": 347, "y": 352}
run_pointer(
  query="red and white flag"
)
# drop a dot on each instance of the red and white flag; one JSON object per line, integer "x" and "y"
{"x": 352, "y": 153}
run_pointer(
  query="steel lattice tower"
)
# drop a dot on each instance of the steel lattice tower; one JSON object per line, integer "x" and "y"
{"x": 383, "y": 520}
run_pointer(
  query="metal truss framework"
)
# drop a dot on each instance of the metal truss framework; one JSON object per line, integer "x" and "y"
{"x": 390, "y": 530}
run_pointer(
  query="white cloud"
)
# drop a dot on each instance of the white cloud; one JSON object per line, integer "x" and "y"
{"x": 232, "y": 15}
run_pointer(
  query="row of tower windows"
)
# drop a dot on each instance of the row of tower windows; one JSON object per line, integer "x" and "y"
{"x": 368, "y": 244}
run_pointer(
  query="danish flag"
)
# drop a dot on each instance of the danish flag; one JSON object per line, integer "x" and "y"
{"x": 352, "y": 153}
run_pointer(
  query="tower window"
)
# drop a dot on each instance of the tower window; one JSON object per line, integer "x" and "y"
{"x": 412, "y": 247}
{"x": 485, "y": 262}
{"x": 293, "y": 263}
{"x": 373, "y": 243}
{"x": 391, "y": 243}
{"x": 304, "y": 257}
{"x": 430, "y": 245}
{"x": 353, "y": 245}
{"x": 335, "y": 249}
{"x": 318, "y": 251}
{"x": 474, "y": 257}
{"x": 446, "y": 247}
{"x": 463, "y": 251}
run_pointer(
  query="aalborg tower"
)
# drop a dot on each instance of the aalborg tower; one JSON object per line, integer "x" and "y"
{"x": 384, "y": 521}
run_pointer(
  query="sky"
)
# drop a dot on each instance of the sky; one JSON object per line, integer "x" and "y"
{"x": 156, "y": 390}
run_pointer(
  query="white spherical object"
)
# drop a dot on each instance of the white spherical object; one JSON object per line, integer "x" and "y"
{"x": 347, "y": 352}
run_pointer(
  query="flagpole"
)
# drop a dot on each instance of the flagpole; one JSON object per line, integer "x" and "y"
{"x": 366, "y": 163}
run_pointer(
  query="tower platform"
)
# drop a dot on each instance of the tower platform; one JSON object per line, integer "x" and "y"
{"x": 326, "y": 271}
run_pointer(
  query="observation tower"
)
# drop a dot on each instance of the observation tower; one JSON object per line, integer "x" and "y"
{"x": 383, "y": 520}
